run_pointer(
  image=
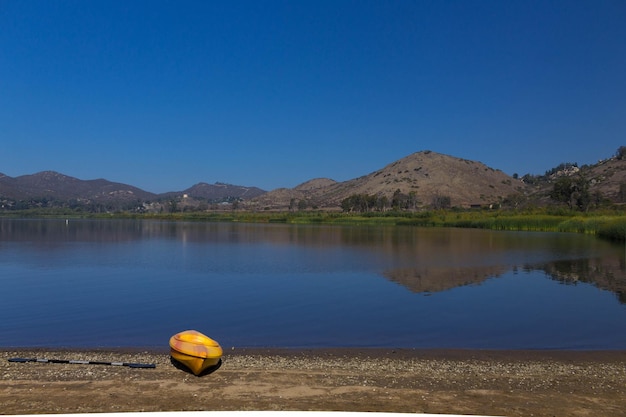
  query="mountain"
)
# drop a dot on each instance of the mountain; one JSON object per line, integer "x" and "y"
{"x": 284, "y": 198}
{"x": 55, "y": 186}
{"x": 426, "y": 175}
{"x": 8, "y": 186}
{"x": 52, "y": 188}
{"x": 422, "y": 179}
{"x": 221, "y": 191}
{"x": 607, "y": 178}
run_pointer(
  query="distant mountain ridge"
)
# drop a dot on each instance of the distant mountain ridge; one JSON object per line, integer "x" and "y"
{"x": 422, "y": 178}
{"x": 221, "y": 190}
{"x": 53, "y": 186}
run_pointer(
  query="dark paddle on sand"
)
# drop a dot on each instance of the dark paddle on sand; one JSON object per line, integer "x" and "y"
{"x": 130, "y": 365}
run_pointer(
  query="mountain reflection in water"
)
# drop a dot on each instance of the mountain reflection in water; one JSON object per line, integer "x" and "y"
{"x": 131, "y": 282}
{"x": 603, "y": 273}
{"x": 439, "y": 259}
{"x": 454, "y": 258}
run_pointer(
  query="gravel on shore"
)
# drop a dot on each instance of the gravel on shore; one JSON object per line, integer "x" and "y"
{"x": 472, "y": 382}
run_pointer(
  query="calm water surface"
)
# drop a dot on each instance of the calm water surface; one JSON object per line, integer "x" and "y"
{"x": 135, "y": 283}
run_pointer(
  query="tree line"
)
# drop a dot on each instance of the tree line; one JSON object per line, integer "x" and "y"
{"x": 363, "y": 203}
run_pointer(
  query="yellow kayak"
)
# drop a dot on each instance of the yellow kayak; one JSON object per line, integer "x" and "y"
{"x": 196, "y": 351}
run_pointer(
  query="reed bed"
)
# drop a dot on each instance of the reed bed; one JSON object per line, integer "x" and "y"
{"x": 612, "y": 226}
{"x": 609, "y": 225}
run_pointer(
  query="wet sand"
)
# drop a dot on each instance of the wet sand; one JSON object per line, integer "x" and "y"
{"x": 467, "y": 382}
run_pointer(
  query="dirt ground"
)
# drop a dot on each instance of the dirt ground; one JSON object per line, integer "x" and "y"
{"x": 494, "y": 383}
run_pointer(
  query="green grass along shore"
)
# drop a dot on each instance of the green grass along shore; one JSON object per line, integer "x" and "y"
{"x": 609, "y": 225}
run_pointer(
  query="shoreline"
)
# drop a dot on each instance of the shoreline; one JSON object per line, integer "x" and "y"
{"x": 375, "y": 352}
{"x": 437, "y": 381}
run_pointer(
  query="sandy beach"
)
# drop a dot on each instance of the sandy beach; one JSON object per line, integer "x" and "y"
{"x": 467, "y": 382}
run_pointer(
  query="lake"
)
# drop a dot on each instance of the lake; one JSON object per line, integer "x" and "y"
{"x": 114, "y": 283}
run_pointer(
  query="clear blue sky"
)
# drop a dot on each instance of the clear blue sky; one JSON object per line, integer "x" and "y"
{"x": 166, "y": 94}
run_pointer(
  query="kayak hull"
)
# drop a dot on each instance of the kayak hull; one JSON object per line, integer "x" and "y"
{"x": 195, "y": 351}
{"x": 194, "y": 364}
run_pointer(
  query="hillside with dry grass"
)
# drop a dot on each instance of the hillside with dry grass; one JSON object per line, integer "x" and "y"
{"x": 427, "y": 175}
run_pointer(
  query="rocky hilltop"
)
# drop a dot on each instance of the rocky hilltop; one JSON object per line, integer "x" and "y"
{"x": 607, "y": 178}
